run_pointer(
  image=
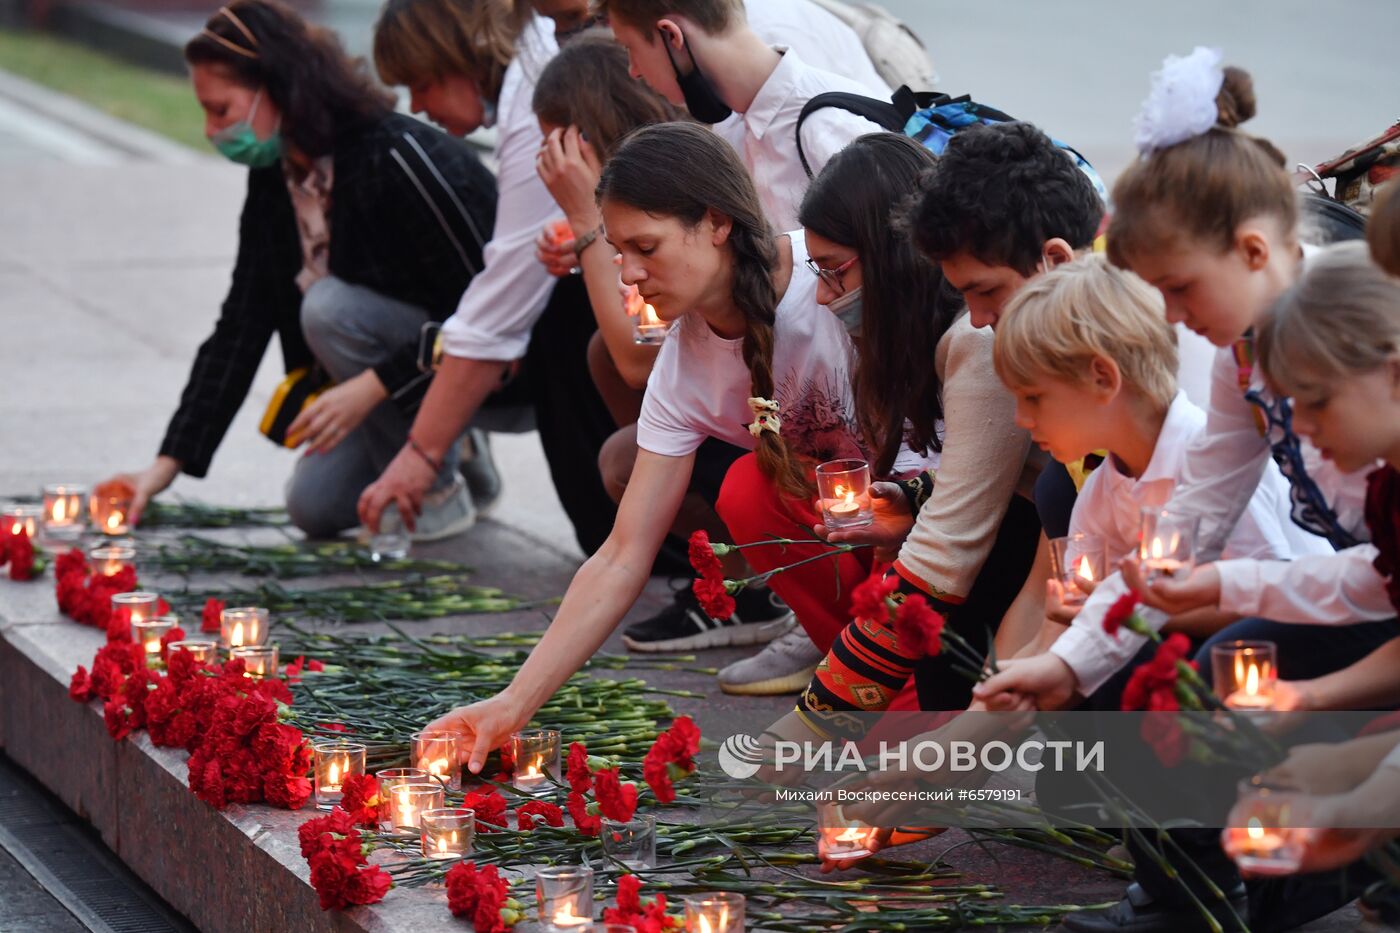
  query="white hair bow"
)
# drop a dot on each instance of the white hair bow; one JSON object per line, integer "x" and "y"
{"x": 1181, "y": 104}
{"x": 765, "y": 417}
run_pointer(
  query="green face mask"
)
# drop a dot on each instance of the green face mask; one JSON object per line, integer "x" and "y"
{"x": 238, "y": 143}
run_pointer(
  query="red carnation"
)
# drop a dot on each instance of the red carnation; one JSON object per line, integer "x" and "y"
{"x": 551, "y": 814}
{"x": 579, "y": 776}
{"x": 490, "y": 809}
{"x": 23, "y": 565}
{"x": 212, "y": 616}
{"x": 117, "y": 718}
{"x": 671, "y": 755}
{"x": 1120, "y": 612}
{"x": 616, "y": 800}
{"x": 119, "y": 625}
{"x": 713, "y": 597}
{"x": 483, "y": 895}
{"x": 359, "y": 795}
{"x": 868, "y": 600}
{"x": 584, "y": 822}
{"x": 702, "y": 556}
{"x": 918, "y": 628}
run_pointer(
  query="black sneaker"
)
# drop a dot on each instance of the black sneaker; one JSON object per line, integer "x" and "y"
{"x": 759, "y": 617}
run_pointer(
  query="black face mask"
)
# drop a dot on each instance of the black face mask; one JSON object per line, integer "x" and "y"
{"x": 700, "y": 98}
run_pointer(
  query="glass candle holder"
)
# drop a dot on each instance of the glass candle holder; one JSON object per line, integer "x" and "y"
{"x": 1167, "y": 544}
{"x": 391, "y": 778}
{"x": 565, "y": 895}
{"x": 536, "y": 757}
{"x": 1245, "y": 673}
{"x": 258, "y": 660}
{"x": 392, "y": 541}
{"x": 109, "y": 559}
{"x": 721, "y": 912}
{"x": 408, "y": 801}
{"x": 1264, "y": 832}
{"x": 647, "y": 328}
{"x": 844, "y": 489}
{"x": 439, "y": 754}
{"x": 448, "y": 832}
{"x": 137, "y": 607}
{"x": 109, "y": 507}
{"x": 25, "y": 518}
{"x": 148, "y": 633}
{"x": 65, "y": 511}
{"x": 203, "y": 652}
{"x": 333, "y": 763}
{"x": 840, "y": 838}
{"x": 631, "y": 842}
{"x": 243, "y": 625}
{"x": 1078, "y": 557}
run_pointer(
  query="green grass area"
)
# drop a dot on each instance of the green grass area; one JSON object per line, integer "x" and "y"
{"x": 159, "y": 102}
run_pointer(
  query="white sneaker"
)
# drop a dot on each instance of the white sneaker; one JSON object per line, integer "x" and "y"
{"x": 786, "y": 665}
{"x": 446, "y": 512}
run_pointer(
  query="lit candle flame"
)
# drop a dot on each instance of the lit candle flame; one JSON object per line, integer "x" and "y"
{"x": 1255, "y": 829}
{"x": 566, "y": 915}
{"x": 851, "y": 834}
{"x": 114, "y": 521}
{"x": 649, "y": 315}
{"x": 333, "y": 778}
{"x": 1251, "y": 680}
{"x": 436, "y": 768}
{"x": 442, "y": 843}
{"x": 722, "y": 920}
{"x": 236, "y": 639}
{"x": 1157, "y": 549}
{"x": 1085, "y": 570}
{"x": 60, "y": 509}
{"x": 153, "y": 646}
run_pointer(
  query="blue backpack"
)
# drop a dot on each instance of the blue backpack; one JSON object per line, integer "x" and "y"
{"x": 929, "y": 118}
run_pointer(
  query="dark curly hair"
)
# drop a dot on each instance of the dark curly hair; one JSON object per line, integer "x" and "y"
{"x": 999, "y": 192}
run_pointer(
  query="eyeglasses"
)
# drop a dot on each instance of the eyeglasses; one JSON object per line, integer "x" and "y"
{"x": 832, "y": 277}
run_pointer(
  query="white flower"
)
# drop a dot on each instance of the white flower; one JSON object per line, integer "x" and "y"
{"x": 1181, "y": 104}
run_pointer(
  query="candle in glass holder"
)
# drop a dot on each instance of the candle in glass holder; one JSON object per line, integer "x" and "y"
{"x": 203, "y": 652}
{"x": 536, "y": 757}
{"x": 110, "y": 507}
{"x": 1264, "y": 831}
{"x": 438, "y": 753}
{"x": 408, "y": 801}
{"x": 22, "y": 518}
{"x": 110, "y": 559}
{"x": 65, "y": 511}
{"x": 630, "y": 842}
{"x": 390, "y": 778}
{"x": 565, "y": 894}
{"x": 258, "y": 660}
{"x": 448, "y": 832}
{"x": 647, "y": 328}
{"x": 1245, "y": 673}
{"x": 137, "y": 607}
{"x": 844, "y": 489}
{"x": 243, "y": 625}
{"x": 148, "y": 633}
{"x": 714, "y": 913}
{"x": 1075, "y": 558}
{"x": 839, "y": 837}
{"x": 1167, "y": 543}
{"x": 333, "y": 762}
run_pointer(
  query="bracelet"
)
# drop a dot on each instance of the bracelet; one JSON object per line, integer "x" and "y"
{"x": 585, "y": 241}
{"x": 413, "y": 445}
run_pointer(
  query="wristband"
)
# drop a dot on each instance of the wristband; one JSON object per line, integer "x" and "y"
{"x": 582, "y": 243}
{"x": 413, "y": 445}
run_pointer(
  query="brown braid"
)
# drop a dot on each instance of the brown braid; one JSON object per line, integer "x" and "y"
{"x": 703, "y": 173}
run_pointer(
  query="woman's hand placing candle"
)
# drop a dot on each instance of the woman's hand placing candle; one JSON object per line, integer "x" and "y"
{"x": 484, "y": 726}
{"x": 887, "y": 532}
{"x": 147, "y": 484}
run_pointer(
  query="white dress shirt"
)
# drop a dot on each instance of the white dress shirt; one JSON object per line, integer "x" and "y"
{"x": 819, "y": 37}
{"x": 1340, "y": 589}
{"x": 501, "y": 305}
{"x": 1221, "y": 470}
{"x": 1110, "y": 505}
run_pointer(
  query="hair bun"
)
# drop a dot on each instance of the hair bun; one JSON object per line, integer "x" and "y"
{"x": 1236, "y": 102}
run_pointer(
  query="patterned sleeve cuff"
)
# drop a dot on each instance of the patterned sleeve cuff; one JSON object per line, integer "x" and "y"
{"x": 917, "y": 490}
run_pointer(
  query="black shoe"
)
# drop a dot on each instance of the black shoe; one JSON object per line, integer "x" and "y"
{"x": 1137, "y": 912}
{"x": 759, "y": 617}
{"x": 479, "y": 470}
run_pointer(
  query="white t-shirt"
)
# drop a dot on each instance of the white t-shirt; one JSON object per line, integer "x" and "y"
{"x": 1109, "y": 506}
{"x": 502, "y": 303}
{"x": 700, "y": 387}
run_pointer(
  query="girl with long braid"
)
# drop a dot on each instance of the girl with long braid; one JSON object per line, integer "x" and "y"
{"x": 751, "y": 359}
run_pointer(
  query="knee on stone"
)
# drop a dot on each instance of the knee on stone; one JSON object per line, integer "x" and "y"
{"x": 321, "y": 311}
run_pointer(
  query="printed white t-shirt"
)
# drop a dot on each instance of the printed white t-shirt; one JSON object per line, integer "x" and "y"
{"x": 700, "y": 386}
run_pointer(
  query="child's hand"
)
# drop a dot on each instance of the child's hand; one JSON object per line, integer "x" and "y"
{"x": 1045, "y": 678}
{"x": 1055, "y": 608}
{"x": 1199, "y": 590}
{"x": 892, "y": 524}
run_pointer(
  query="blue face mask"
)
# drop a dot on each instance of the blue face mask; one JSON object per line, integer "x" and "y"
{"x": 847, "y": 309}
{"x": 238, "y": 143}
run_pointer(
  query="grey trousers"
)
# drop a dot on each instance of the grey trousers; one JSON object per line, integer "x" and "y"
{"x": 349, "y": 329}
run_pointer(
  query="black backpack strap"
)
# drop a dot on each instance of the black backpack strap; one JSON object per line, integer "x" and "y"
{"x": 891, "y": 114}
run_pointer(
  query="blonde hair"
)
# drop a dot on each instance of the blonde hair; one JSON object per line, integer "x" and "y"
{"x": 1341, "y": 319}
{"x": 420, "y": 40}
{"x": 1201, "y": 190}
{"x": 1058, "y": 322}
{"x": 1383, "y": 228}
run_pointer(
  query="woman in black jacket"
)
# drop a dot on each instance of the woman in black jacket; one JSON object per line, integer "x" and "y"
{"x": 360, "y": 226}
